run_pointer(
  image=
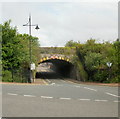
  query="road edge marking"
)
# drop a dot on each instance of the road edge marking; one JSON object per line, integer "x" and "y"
{"x": 112, "y": 94}
{"x": 45, "y": 82}
{"x": 77, "y": 86}
{"x": 116, "y": 101}
{"x": 12, "y": 94}
{"x": 90, "y": 89}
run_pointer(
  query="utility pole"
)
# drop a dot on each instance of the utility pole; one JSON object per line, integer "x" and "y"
{"x": 30, "y": 49}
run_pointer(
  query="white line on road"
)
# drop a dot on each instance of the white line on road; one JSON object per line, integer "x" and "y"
{"x": 63, "y": 81}
{"x": 116, "y": 101}
{"x": 45, "y": 82}
{"x": 29, "y": 95}
{"x": 77, "y": 86}
{"x": 12, "y": 94}
{"x": 59, "y": 85}
{"x": 85, "y": 99}
{"x": 112, "y": 94}
{"x": 90, "y": 89}
{"x": 46, "y": 97}
{"x": 48, "y": 80}
{"x": 101, "y": 100}
{"x": 52, "y": 83}
{"x": 65, "y": 98}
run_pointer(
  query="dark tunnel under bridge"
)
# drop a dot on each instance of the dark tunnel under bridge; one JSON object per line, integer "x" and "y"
{"x": 61, "y": 69}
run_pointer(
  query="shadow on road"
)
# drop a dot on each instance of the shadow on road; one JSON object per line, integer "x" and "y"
{"x": 48, "y": 75}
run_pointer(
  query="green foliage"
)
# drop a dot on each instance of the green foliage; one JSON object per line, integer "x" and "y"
{"x": 71, "y": 43}
{"x": 100, "y": 76}
{"x": 116, "y": 46}
{"x": 7, "y": 76}
{"x": 92, "y": 59}
{"x": 58, "y": 50}
{"x": 80, "y": 72}
{"x": 10, "y": 45}
{"x": 115, "y": 80}
{"x": 15, "y": 53}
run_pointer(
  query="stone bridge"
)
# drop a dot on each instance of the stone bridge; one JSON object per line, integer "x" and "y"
{"x": 45, "y": 57}
{"x": 60, "y": 53}
{"x": 60, "y": 57}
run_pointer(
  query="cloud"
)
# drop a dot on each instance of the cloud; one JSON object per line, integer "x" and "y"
{"x": 64, "y": 21}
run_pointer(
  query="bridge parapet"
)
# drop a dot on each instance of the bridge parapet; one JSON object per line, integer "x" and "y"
{"x": 57, "y": 50}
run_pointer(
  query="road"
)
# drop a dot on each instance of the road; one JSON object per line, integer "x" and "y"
{"x": 60, "y": 98}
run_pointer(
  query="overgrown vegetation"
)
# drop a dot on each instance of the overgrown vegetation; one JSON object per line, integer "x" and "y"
{"x": 59, "y": 50}
{"x": 15, "y": 53}
{"x": 91, "y": 61}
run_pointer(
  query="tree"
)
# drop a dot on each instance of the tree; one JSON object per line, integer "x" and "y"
{"x": 71, "y": 43}
{"x": 15, "y": 53}
{"x": 10, "y": 47}
{"x": 92, "y": 57}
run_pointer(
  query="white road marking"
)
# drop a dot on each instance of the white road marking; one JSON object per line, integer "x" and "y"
{"x": 53, "y": 84}
{"x": 77, "y": 86}
{"x": 12, "y": 94}
{"x": 46, "y": 97}
{"x": 65, "y": 98}
{"x": 116, "y": 101}
{"x": 101, "y": 100}
{"x": 62, "y": 80}
{"x": 48, "y": 80}
{"x": 29, "y": 95}
{"x": 112, "y": 94}
{"x": 70, "y": 82}
{"x": 90, "y": 89}
{"x": 59, "y": 85}
{"x": 45, "y": 82}
{"x": 85, "y": 99}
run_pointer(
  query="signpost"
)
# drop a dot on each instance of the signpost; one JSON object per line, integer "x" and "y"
{"x": 32, "y": 67}
{"x": 109, "y": 64}
{"x": 30, "y": 48}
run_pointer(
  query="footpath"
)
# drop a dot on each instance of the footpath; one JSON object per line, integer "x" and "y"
{"x": 94, "y": 83}
{"x": 37, "y": 82}
{"x": 44, "y": 82}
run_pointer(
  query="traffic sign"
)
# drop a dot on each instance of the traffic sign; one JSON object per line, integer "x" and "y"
{"x": 32, "y": 66}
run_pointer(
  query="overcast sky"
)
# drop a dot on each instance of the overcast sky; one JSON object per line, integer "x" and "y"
{"x": 60, "y": 22}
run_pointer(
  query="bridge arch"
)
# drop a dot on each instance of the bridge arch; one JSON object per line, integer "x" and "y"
{"x": 61, "y": 64}
{"x": 52, "y": 57}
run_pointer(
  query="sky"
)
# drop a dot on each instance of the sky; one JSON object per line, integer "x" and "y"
{"x": 60, "y": 22}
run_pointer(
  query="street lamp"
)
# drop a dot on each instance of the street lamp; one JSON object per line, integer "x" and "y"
{"x": 29, "y": 24}
{"x": 109, "y": 64}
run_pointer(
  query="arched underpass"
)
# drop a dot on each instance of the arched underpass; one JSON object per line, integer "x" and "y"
{"x": 55, "y": 69}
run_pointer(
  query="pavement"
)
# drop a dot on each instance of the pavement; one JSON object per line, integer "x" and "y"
{"x": 94, "y": 83}
{"x": 37, "y": 82}
{"x": 59, "y": 98}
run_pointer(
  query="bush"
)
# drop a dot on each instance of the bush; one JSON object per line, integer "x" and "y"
{"x": 115, "y": 80}
{"x": 81, "y": 74}
{"x": 16, "y": 76}
{"x": 101, "y": 76}
{"x": 7, "y": 76}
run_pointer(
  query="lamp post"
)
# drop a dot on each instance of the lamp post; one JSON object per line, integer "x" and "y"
{"x": 109, "y": 64}
{"x": 30, "y": 50}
